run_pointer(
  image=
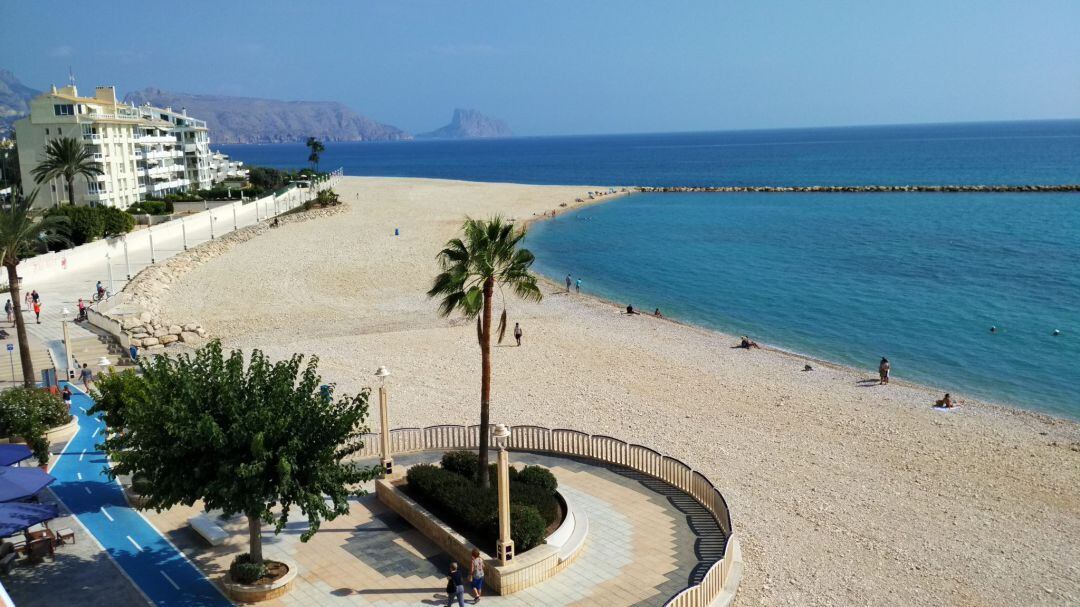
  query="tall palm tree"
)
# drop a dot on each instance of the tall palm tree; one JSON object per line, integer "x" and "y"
{"x": 473, "y": 266}
{"x": 67, "y": 157}
{"x": 20, "y": 232}
{"x": 317, "y": 148}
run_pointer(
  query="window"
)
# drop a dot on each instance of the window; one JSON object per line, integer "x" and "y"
{"x": 62, "y": 109}
{"x": 46, "y": 131}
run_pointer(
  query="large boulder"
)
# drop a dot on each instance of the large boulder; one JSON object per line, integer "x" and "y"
{"x": 175, "y": 329}
{"x": 168, "y": 339}
{"x": 145, "y": 317}
{"x": 150, "y": 341}
{"x": 161, "y": 332}
{"x": 190, "y": 337}
{"x": 191, "y": 327}
{"x": 139, "y": 336}
{"x": 131, "y": 322}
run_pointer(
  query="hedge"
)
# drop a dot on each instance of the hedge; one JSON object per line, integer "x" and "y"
{"x": 451, "y": 493}
{"x": 30, "y": 413}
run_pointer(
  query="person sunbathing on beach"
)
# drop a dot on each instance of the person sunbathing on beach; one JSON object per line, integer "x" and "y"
{"x": 657, "y": 313}
{"x": 747, "y": 343}
{"x": 630, "y": 310}
{"x": 945, "y": 403}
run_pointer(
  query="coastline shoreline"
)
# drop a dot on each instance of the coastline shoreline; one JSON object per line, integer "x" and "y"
{"x": 854, "y": 495}
{"x": 965, "y": 400}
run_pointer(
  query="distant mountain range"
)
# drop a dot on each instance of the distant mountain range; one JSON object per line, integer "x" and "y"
{"x": 470, "y": 124}
{"x": 14, "y": 99}
{"x": 253, "y": 120}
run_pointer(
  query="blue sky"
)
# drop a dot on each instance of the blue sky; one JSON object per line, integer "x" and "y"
{"x": 556, "y": 67}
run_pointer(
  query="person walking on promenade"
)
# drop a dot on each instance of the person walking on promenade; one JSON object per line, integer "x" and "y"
{"x": 87, "y": 376}
{"x": 577, "y": 285}
{"x": 567, "y": 283}
{"x": 37, "y": 311}
{"x": 883, "y": 369}
{"x": 34, "y": 297}
{"x": 67, "y": 395}
{"x": 10, "y": 312}
{"x": 82, "y": 310}
{"x": 517, "y": 333}
{"x": 476, "y": 569}
{"x": 455, "y": 587}
{"x": 28, "y": 300}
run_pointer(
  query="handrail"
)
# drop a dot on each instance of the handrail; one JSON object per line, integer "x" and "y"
{"x": 722, "y": 576}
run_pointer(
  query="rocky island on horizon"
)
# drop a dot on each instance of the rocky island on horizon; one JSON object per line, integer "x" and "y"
{"x": 470, "y": 124}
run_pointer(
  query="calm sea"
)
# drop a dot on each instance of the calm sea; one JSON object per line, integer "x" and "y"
{"x": 919, "y": 278}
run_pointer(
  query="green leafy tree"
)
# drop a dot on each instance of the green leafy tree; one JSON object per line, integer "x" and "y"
{"x": 317, "y": 148}
{"x": 487, "y": 256}
{"x": 115, "y": 222}
{"x": 30, "y": 413}
{"x": 258, "y": 439}
{"x": 21, "y": 233}
{"x": 114, "y": 393}
{"x": 68, "y": 158}
{"x": 84, "y": 224}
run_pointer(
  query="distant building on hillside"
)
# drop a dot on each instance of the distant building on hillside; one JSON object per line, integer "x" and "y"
{"x": 144, "y": 151}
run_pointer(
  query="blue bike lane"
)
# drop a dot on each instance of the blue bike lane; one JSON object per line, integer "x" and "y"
{"x": 150, "y": 561}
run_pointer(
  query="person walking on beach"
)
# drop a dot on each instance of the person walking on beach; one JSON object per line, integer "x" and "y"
{"x": 10, "y": 312}
{"x": 87, "y": 376}
{"x": 577, "y": 285}
{"x": 476, "y": 569}
{"x": 567, "y": 283}
{"x": 883, "y": 369}
{"x": 455, "y": 587}
{"x": 37, "y": 311}
{"x": 517, "y": 333}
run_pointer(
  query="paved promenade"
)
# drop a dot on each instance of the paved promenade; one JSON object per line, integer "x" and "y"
{"x": 642, "y": 548}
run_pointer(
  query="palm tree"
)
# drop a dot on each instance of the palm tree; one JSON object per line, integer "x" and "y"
{"x": 67, "y": 157}
{"x": 20, "y": 232}
{"x": 317, "y": 148}
{"x": 473, "y": 266}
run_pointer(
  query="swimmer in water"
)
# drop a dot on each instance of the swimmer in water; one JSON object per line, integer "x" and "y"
{"x": 993, "y": 329}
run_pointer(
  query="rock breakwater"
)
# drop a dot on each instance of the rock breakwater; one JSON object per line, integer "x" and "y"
{"x": 856, "y": 189}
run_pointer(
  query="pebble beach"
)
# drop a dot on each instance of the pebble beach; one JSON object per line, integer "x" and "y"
{"x": 842, "y": 492}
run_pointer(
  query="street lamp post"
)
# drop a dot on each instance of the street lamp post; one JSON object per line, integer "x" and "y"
{"x": 127, "y": 261}
{"x": 112, "y": 285}
{"x": 386, "y": 461}
{"x": 505, "y": 549}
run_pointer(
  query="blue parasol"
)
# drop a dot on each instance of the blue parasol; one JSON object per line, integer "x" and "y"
{"x": 13, "y": 454}
{"x": 19, "y": 483}
{"x": 16, "y": 517}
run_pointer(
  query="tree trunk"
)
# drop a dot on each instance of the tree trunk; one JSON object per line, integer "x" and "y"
{"x": 255, "y": 537}
{"x": 485, "y": 383}
{"x": 71, "y": 190}
{"x": 20, "y": 327}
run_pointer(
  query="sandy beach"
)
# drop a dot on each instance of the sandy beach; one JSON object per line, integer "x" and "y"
{"x": 843, "y": 492}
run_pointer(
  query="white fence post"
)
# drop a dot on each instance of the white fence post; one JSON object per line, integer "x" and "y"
{"x": 150, "y": 232}
{"x": 127, "y": 262}
{"x": 183, "y": 232}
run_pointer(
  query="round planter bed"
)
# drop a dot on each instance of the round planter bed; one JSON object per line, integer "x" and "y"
{"x": 279, "y": 584}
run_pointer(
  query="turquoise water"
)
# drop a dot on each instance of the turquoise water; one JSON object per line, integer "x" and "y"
{"x": 919, "y": 278}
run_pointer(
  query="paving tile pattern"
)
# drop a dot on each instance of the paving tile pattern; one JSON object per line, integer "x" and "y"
{"x": 646, "y": 543}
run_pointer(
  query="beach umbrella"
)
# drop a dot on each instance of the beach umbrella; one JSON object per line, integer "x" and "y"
{"x": 20, "y": 483}
{"x": 13, "y": 454}
{"x": 16, "y": 517}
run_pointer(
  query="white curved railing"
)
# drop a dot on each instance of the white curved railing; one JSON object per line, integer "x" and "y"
{"x": 606, "y": 449}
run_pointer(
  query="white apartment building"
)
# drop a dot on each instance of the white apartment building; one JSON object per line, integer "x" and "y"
{"x": 144, "y": 151}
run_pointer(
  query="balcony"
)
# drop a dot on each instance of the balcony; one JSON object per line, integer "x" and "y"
{"x": 154, "y": 139}
{"x": 91, "y": 136}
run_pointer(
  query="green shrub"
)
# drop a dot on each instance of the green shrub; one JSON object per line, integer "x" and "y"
{"x": 527, "y": 527}
{"x": 115, "y": 222}
{"x": 114, "y": 393}
{"x": 243, "y": 571}
{"x": 451, "y": 493}
{"x": 30, "y": 413}
{"x": 539, "y": 498}
{"x": 461, "y": 462}
{"x": 539, "y": 476}
{"x": 151, "y": 207}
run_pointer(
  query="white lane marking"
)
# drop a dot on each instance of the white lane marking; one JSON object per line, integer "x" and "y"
{"x": 95, "y": 432}
{"x": 174, "y": 584}
{"x": 82, "y": 454}
{"x": 106, "y": 514}
{"x": 133, "y": 543}
{"x": 79, "y": 474}
{"x": 83, "y": 409}
{"x": 87, "y": 490}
